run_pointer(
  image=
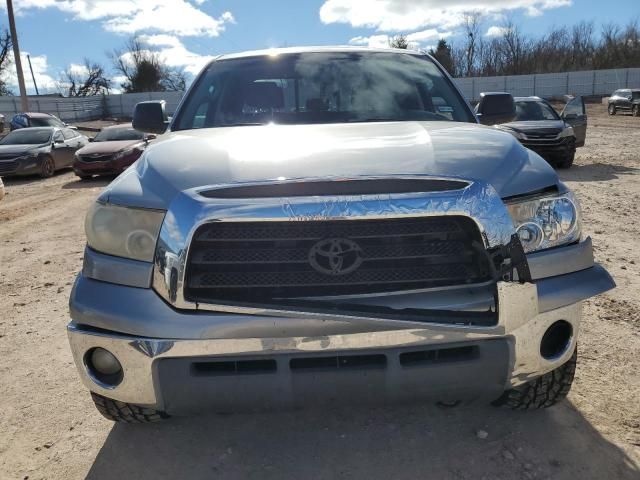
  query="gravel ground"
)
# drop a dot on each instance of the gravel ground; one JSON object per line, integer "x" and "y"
{"x": 49, "y": 428}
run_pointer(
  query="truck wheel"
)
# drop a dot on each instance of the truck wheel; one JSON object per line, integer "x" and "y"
{"x": 635, "y": 111}
{"x": 125, "y": 412}
{"x": 542, "y": 392}
{"x": 47, "y": 168}
{"x": 567, "y": 160}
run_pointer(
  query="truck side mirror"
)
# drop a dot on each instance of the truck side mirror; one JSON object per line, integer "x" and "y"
{"x": 150, "y": 117}
{"x": 495, "y": 108}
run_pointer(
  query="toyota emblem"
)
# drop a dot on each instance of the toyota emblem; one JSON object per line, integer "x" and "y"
{"x": 335, "y": 256}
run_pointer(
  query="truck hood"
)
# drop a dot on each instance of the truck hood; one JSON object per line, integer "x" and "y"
{"x": 192, "y": 158}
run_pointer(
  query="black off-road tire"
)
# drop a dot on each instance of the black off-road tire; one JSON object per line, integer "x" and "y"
{"x": 635, "y": 110}
{"x": 544, "y": 391}
{"x": 125, "y": 412}
{"x": 47, "y": 167}
{"x": 611, "y": 109}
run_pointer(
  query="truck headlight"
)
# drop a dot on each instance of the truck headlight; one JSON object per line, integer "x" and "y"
{"x": 546, "y": 222}
{"x": 123, "y": 231}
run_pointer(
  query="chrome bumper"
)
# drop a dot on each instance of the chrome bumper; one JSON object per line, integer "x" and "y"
{"x": 520, "y": 324}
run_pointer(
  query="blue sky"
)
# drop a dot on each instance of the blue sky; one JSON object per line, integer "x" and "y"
{"x": 61, "y": 33}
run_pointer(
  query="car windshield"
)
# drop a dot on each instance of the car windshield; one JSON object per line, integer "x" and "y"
{"x": 27, "y": 137}
{"x": 46, "y": 122}
{"x": 526, "y": 111}
{"x": 321, "y": 87}
{"x": 114, "y": 134}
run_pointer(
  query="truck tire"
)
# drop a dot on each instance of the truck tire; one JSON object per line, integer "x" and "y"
{"x": 125, "y": 412}
{"x": 567, "y": 160}
{"x": 612, "y": 109}
{"x": 544, "y": 391}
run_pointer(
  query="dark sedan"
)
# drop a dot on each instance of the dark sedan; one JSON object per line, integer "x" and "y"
{"x": 551, "y": 135}
{"x": 39, "y": 150}
{"x": 111, "y": 151}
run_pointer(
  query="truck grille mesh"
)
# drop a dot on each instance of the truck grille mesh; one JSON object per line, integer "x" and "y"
{"x": 252, "y": 262}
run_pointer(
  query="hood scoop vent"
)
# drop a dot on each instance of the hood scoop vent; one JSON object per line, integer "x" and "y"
{"x": 298, "y": 188}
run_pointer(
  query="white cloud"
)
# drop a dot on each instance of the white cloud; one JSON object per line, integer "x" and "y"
{"x": 175, "y": 54}
{"x": 407, "y": 15}
{"x": 178, "y": 17}
{"x": 495, "y": 31}
{"x": 415, "y": 40}
{"x": 46, "y": 83}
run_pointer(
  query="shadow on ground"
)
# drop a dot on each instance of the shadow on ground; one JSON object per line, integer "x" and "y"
{"x": 392, "y": 443}
{"x": 596, "y": 172}
{"x": 89, "y": 183}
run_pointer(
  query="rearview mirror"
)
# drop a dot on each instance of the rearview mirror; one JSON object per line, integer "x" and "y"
{"x": 150, "y": 117}
{"x": 495, "y": 108}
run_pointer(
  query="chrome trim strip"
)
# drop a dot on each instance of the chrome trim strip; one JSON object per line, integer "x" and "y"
{"x": 189, "y": 210}
{"x": 123, "y": 271}
{"x": 561, "y": 260}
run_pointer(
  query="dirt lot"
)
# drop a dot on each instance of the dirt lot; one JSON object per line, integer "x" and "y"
{"x": 50, "y": 429}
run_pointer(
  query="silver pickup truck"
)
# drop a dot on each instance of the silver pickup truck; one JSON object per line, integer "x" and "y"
{"x": 327, "y": 225}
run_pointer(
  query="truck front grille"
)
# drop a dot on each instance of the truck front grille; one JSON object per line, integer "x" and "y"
{"x": 257, "y": 261}
{"x": 96, "y": 158}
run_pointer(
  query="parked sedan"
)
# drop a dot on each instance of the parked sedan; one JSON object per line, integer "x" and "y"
{"x": 625, "y": 100}
{"x": 39, "y": 150}
{"x": 553, "y": 136}
{"x": 111, "y": 151}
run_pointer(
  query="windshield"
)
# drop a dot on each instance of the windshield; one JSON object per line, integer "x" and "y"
{"x": 114, "y": 134}
{"x": 526, "y": 111}
{"x": 27, "y": 137}
{"x": 321, "y": 87}
{"x": 46, "y": 122}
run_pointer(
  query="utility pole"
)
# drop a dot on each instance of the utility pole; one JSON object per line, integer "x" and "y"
{"x": 33, "y": 77}
{"x": 16, "y": 57}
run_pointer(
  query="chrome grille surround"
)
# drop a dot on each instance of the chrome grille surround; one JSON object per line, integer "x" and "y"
{"x": 190, "y": 209}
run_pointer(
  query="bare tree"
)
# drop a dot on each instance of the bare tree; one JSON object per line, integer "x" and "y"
{"x": 86, "y": 81}
{"x": 5, "y": 60}
{"x": 145, "y": 70}
{"x": 471, "y": 27}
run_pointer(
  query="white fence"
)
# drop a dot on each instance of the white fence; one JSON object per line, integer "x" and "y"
{"x": 592, "y": 82}
{"x": 80, "y": 109}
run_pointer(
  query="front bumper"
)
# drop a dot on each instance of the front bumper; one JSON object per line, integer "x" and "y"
{"x": 109, "y": 167}
{"x": 551, "y": 148}
{"x": 180, "y": 361}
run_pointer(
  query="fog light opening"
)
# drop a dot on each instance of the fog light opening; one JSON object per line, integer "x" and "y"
{"x": 556, "y": 340}
{"x": 103, "y": 367}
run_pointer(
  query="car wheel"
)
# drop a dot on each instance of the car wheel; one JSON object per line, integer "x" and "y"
{"x": 567, "y": 160}
{"x": 635, "y": 111}
{"x": 542, "y": 392}
{"x": 125, "y": 412}
{"x": 612, "y": 109}
{"x": 48, "y": 168}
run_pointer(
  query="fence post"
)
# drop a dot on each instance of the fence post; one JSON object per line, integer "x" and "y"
{"x": 534, "y": 84}
{"x": 567, "y": 87}
{"x": 626, "y": 78}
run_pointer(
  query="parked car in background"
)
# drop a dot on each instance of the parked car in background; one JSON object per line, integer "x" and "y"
{"x": 625, "y": 100}
{"x": 35, "y": 119}
{"x": 111, "y": 151}
{"x": 553, "y": 136}
{"x": 39, "y": 150}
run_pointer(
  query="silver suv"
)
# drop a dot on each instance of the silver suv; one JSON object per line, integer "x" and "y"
{"x": 328, "y": 225}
